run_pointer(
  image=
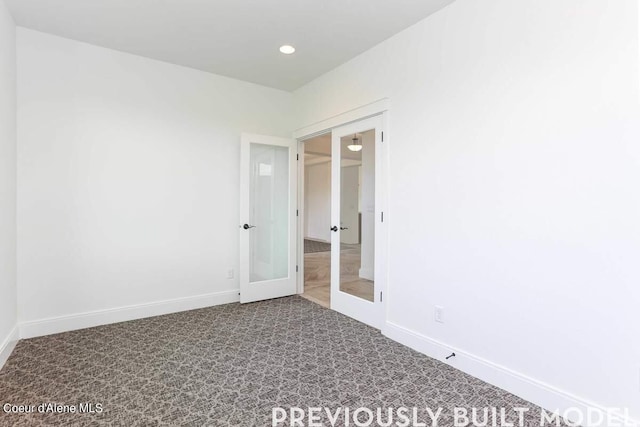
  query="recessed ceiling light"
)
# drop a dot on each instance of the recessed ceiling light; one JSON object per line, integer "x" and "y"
{"x": 287, "y": 50}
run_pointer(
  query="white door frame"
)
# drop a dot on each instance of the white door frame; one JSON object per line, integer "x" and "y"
{"x": 377, "y": 108}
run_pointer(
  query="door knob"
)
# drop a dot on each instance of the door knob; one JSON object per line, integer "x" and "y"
{"x": 247, "y": 226}
{"x": 334, "y": 228}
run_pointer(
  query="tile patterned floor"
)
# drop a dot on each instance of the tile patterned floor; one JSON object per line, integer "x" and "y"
{"x": 229, "y": 366}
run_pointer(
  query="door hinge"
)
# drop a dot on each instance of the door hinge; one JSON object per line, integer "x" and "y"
{"x": 297, "y": 156}
{"x": 382, "y": 136}
{"x": 380, "y": 296}
{"x": 381, "y": 216}
{"x": 296, "y": 268}
{"x": 296, "y": 212}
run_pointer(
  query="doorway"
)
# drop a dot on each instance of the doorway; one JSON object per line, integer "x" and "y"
{"x": 340, "y": 195}
{"x": 357, "y": 201}
{"x": 273, "y": 208}
{"x": 316, "y": 219}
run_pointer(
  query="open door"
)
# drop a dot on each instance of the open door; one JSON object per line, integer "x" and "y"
{"x": 268, "y": 178}
{"x": 358, "y": 238}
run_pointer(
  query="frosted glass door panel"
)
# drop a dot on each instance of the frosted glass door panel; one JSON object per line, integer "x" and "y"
{"x": 269, "y": 206}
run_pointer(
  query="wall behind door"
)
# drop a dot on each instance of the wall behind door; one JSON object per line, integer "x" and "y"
{"x": 317, "y": 195}
{"x": 349, "y": 201}
{"x": 128, "y": 176}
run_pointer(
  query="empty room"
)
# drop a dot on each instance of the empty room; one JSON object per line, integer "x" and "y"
{"x": 320, "y": 213}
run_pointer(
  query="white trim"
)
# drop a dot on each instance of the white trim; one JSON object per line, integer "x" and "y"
{"x": 7, "y": 346}
{"x": 300, "y": 219}
{"x": 529, "y": 389}
{"x": 376, "y": 108}
{"x": 54, "y": 325}
{"x": 317, "y": 240}
{"x": 369, "y": 110}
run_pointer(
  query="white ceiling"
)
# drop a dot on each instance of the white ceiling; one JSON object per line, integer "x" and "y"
{"x": 234, "y": 38}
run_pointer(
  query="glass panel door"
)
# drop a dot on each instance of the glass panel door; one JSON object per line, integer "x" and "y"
{"x": 357, "y": 207}
{"x": 268, "y": 181}
{"x": 355, "y": 284}
{"x": 269, "y": 192}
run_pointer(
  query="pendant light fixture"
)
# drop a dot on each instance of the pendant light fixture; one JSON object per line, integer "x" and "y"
{"x": 355, "y": 145}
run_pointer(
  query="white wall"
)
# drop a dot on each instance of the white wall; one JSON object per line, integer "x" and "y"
{"x": 8, "y": 297}
{"x": 516, "y": 123}
{"x": 317, "y": 194}
{"x": 127, "y": 179}
{"x": 349, "y": 178}
{"x": 514, "y": 202}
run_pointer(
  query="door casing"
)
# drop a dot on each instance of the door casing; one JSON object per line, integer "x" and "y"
{"x": 379, "y": 109}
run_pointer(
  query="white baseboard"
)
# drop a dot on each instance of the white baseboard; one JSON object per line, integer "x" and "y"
{"x": 366, "y": 273}
{"x": 537, "y": 392}
{"x": 54, "y": 325}
{"x": 317, "y": 239}
{"x": 7, "y": 346}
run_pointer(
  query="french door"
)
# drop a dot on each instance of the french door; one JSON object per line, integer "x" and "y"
{"x": 268, "y": 182}
{"x": 357, "y": 234}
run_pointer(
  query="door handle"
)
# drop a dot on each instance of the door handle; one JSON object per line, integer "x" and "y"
{"x": 344, "y": 228}
{"x": 334, "y": 228}
{"x": 247, "y": 226}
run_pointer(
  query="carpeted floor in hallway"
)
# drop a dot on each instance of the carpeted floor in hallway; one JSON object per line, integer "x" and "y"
{"x": 229, "y": 366}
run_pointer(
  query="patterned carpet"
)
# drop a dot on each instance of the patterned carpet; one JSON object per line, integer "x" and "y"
{"x": 229, "y": 366}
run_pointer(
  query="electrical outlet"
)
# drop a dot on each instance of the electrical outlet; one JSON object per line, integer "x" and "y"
{"x": 230, "y": 273}
{"x": 439, "y": 314}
